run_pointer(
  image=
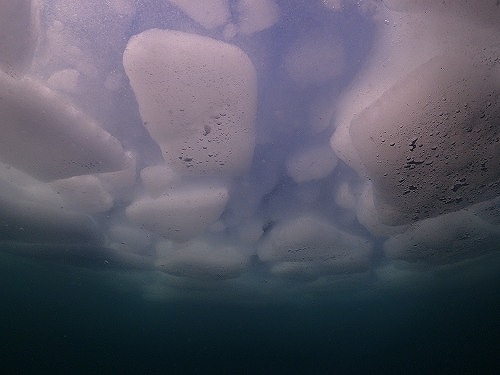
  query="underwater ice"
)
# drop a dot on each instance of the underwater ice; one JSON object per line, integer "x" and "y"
{"x": 256, "y": 145}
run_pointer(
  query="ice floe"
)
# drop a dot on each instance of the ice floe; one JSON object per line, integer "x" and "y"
{"x": 308, "y": 244}
{"x": 256, "y": 15}
{"x": 423, "y": 109}
{"x": 312, "y": 163}
{"x": 444, "y": 239}
{"x": 180, "y": 214}
{"x": 197, "y": 97}
{"x": 46, "y": 136}
{"x": 208, "y": 13}
{"x": 201, "y": 260}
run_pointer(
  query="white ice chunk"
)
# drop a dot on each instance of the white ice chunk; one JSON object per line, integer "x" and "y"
{"x": 208, "y": 13}
{"x": 369, "y": 216}
{"x": 64, "y": 80}
{"x": 120, "y": 183}
{"x": 197, "y": 98}
{"x": 83, "y": 193}
{"x": 157, "y": 179}
{"x": 32, "y": 212}
{"x": 230, "y": 31}
{"x": 47, "y": 137}
{"x": 344, "y": 196}
{"x": 19, "y": 31}
{"x": 403, "y": 41}
{"x": 256, "y": 15}
{"x": 181, "y": 214}
{"x": 309, "y": 239}
{"x": 313, "y": 163}
{"x": 15, "y": 184}
{"x": 314, "y": 58}
{"x": 444, "y": 239}
{"x": 201, "y": 260}
{"x": 430, "y": 144}
{"x": 61, "y": 47}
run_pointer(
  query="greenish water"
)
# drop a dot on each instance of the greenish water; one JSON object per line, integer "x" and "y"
{"x": 62, "y": 320}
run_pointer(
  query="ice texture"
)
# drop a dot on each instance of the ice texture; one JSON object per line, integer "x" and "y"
{"x": 44, "y": 135}
{"x": 19, "y": 30}
{"x": 181, "y": 214}
{"x": 197, "y": 98}
{"x": 253, "y": 149}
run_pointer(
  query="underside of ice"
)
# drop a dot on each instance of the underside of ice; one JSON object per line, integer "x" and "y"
{"x": 255, "y": 145}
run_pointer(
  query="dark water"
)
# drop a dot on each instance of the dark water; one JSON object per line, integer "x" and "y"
{"x": 57, "y": 320}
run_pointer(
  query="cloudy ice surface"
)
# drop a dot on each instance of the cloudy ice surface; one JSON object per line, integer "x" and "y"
{"x": 249, "y": 149}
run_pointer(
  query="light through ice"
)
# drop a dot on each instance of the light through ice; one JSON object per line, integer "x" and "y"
{"x": 252, "y": 147}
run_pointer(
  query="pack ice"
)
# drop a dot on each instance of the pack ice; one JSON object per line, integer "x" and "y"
{"x": 256, "y": 146}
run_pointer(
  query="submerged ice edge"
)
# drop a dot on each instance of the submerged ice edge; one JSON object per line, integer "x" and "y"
{"x": 237, "y": 140}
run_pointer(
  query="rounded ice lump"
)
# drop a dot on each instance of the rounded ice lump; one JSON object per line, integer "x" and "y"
{"x": 197, "y": 98}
